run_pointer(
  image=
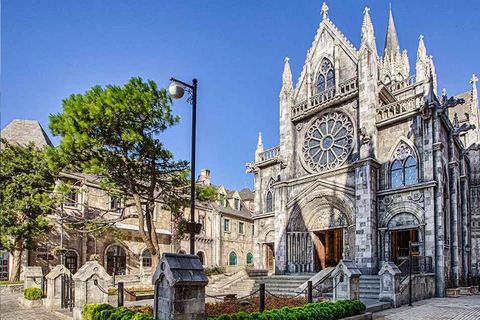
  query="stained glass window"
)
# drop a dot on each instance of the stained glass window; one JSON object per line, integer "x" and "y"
{"x": 396, "y": 174}
{"x": 232, "y": 259}
{"x": 326, "y": 77}
{"x": 321, "y": 84}
{"x": 330, "y": 79}
{"x": 269, "y": 202}
{"x": 410, "y": 171}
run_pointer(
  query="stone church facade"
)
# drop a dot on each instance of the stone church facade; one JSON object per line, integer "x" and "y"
{"x": 370, "y": 158}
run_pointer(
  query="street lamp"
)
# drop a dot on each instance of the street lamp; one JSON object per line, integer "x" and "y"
{"x": 177, "y": 89}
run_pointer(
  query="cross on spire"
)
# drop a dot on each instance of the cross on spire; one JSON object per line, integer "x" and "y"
{"x": 324, "y": 10}
{"x": 474, "y": 80}
{"x": 366, "y": 10}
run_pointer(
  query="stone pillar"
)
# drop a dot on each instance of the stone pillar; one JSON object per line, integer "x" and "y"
{"x": 54, "y": 285}
{"x": 453, "y": 167}
{"x": 33, "y": 277}
{"x": 179, "y": 282}
{"x": 346, "y": 281}
{"x": 91, "y": 285}
{"x": 390, "y": 284}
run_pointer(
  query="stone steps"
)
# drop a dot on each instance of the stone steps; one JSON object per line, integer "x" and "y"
{"x": 369, "y": 287}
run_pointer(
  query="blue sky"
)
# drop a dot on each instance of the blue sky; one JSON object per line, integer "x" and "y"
{"x": 236, "y": 49}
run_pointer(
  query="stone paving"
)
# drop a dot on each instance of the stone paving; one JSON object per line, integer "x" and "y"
{"x": 11, "y": 310}
{"x": 463, "y": 308}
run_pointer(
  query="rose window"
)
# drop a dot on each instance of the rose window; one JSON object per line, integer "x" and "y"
{"x": 328, "y": 142}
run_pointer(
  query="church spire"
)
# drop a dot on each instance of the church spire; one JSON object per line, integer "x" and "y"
{"x": 421, "y": 66}
{"x": 392, "y": 45}
{"x": 368, "y": 36}
{"x": 287, "y": 83}
{"x": 473, "y": 82}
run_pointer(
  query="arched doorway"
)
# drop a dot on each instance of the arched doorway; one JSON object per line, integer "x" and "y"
{"x": 116, "y": 260}
{"x": 402, "y": 229}
{"x": 201, "y": 256}
{"x": 71, "y": 261}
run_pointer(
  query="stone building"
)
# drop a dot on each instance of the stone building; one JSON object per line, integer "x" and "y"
{"x": 226, "y": 238}
{"x": 370, "y": 158}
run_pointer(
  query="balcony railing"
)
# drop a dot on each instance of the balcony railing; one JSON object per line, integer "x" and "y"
{"x": 398, "y": 108}
{"x": 270, "y": 153}
{"x": 410, "y": 81}
{"x": 345, "y": 88}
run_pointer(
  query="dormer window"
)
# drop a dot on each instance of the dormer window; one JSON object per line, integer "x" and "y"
{"x": 222, "y": 199}
{"x": 237, "y": 204}
{"x": 71, "y": 199}
{"x": 115, "y": 204}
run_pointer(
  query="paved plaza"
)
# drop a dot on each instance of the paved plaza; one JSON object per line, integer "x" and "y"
{"x": 463, "y": 308}
{"x": 11, "y": 310}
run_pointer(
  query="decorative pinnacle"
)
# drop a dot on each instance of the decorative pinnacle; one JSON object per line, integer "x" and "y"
{"x": 287, "y": 59}
{"x": 366, "y": 10}
{"x": 324, "y": 10}
{"x": 420, "y": 37}
{"x": 474, "y": 80}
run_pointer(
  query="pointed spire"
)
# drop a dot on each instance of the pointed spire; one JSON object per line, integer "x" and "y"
{"x": 422, "y": 50}
{"x": 473, "y": 82}
{"x": 287, "y": 83}
{"x": 367, "y": 28}
{"x": 392, "y": 45}
{"x": 260, "y": 143}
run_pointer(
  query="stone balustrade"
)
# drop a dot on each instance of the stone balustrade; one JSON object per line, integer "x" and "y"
{"x": 270, "y": 153}
{"x": 398, "y": 108}
{"x": 406, "y": 83}
{"x": 325, "y": 97}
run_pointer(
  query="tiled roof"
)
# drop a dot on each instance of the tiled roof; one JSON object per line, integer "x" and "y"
{"x": 246, "y": 194}
{"x": 22, "y": 132}
{"x": 242, "y": 213}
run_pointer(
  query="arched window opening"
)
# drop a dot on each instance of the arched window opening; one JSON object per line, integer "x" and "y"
{"x": 71, "y": 261}
{"x": 146, "y": 258}
{"x": 116, "y": 260}
{"x": 326, "y": 77}
{"x": 201, "y": 256}
{"x": 269, "y": 201}
{"x": 411, "y": 176}
{"x": 232, "y": 259}
{"x": 396, "y": 174}
{"x": 181, "y": 251}
{"x": 249, "y": 258}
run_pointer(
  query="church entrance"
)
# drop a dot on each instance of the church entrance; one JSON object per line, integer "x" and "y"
{"x": 400, "y": 241}
{"x": 328, "y": 248}
{"x": 270, "y": 256}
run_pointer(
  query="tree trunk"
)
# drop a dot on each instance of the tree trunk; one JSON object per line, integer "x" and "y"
{"x": 16, "y": 261}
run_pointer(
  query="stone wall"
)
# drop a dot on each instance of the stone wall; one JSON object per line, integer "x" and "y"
{"x": 423, "y": 287}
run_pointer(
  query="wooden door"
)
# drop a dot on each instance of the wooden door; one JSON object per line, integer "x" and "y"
{"x": 270, "y": 256}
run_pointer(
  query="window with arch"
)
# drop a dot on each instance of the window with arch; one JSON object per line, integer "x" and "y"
{"x": 232, "y": 259}
{"x": 249, "y": 258}
{"x": 404, "y": 169}
{"x": 146, "y": 258}
{"x": 116, "y": 260}
{"x": 269, "y": 203}
{"x": 71, "y": 261}
{"x": 326, "y": 77}
{"x": 201, "y": 256}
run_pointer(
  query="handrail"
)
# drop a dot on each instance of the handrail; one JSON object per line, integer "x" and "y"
{"x": 397, "y": 108}
{"x": 269, "y": 153}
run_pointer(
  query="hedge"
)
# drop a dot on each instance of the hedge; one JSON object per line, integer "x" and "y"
{"x": 107, "y": 312}
{"x": 312, "y": 311}
{"x": 33, "y": 294}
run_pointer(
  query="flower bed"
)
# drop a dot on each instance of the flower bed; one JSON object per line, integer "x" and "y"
{"x": 312, "y": 311}
{"x": 230, "y": 307}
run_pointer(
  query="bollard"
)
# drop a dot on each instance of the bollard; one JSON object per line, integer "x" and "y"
{"x": 261, "y": 297}
{"x": 62, "y": 292}
{"x": 120, "y": 294}
{"x": 309, "y": 291}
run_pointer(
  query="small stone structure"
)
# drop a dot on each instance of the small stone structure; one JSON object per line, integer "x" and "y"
{"x": 390, "y": 284}
{"x": 179, "y": 282}
{"x": 346, "y": 281}
{"x": 91, "y": 284}
{"x": 54, "y": 286}
{"x": 33, "y": 277}
{"x": 423, "y": 287}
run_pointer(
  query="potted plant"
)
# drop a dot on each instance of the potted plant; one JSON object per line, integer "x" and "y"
{"x": 451, "y": 289}
{"x": 464, "y": 288}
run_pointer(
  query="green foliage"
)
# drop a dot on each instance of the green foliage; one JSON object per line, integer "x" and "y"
{"x": 107, "y": 312}
{"x": 33, "y": 294}
{"x": 25, "y": 195}
{"x": 10, "y": 282}
{"x": 215, "y": 271}
{"x": 114, "y": 132}
{"x": 312, "y": 311}
{"x": 206, "y": 193}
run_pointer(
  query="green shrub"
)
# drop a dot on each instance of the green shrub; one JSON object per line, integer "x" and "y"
{"x": 214, "y": 271}
{"x": 33, "y": 294}
{"x": 107, "y": 312}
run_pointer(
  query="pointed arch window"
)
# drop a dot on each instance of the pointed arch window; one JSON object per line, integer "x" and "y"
{"x": 249, "y": 258}
{"x": 404, "y": 172}
{"x": 269, "y": 201}
{"x": 232, "y": 259}
{"x": 326, "y": 77}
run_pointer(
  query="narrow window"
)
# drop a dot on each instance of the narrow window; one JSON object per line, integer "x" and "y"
{"x": 232, "y": 261}
{"x": 411, "y": 176}
{"x": 72, "y": 199}
{"x": 396, "y": 174}
{"x": 115, "y": 204}
{"x": 330, "y": 79}
{"x": 321, "y": 84}
{"x": 222, "y": 199}
{"x": 226, "y": 225}
{"x": 249, "y": 258}
{"x": 146, "y": 258}
{"x": 269, "y": 202}
{"x": 237, "y": 204}
{"x": 240, "y": 228}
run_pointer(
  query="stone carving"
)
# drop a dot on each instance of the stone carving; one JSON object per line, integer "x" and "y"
{"x": 457, "y": 129}
{"x": 324, "y": 10}
{"x": 364, "y": 135}
{"x": 328, "y": 142}
{"x": 402, "y": 152}
{"x": 416, "y": 197}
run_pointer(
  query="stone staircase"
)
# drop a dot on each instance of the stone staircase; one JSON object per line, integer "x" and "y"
{"x": 369, "y": 287}
{"x": 284, "y": 285}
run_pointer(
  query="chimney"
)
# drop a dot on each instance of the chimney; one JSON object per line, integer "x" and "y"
{"x": 205, "y": 177}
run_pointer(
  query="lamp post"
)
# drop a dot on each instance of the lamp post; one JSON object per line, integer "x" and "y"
{"x": 177, "y": 90}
